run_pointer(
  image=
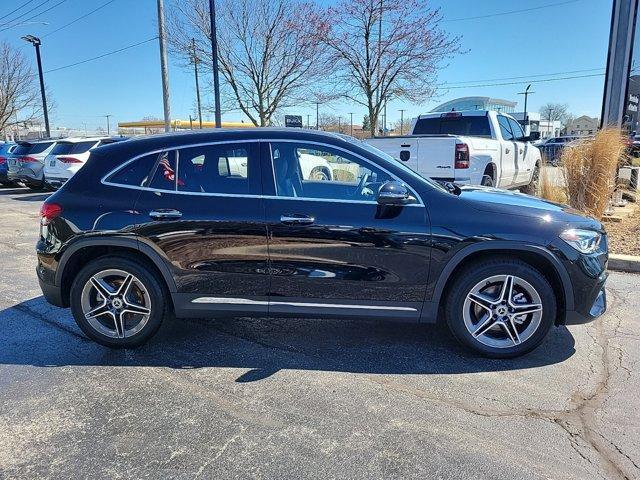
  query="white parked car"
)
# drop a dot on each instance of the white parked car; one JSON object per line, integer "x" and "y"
{"x": 476, "y": 147}
{"x": 68, "y": 156}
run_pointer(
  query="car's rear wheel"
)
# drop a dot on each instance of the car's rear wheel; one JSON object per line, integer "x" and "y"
{"x": 118, "y": 302}
{"x": 487, "y": 180}
{"x": 501, "y": 308}
{"x": 533, "y": 186}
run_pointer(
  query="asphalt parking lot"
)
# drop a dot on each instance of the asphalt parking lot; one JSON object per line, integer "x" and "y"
{"x": 297, "y": 398}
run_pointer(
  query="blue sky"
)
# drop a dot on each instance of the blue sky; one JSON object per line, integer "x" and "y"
{"x": 568, "y": 37}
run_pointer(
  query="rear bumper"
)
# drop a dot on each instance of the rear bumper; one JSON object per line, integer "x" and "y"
{"x": 52, "y": 293}
{"x": 55, "y": 182}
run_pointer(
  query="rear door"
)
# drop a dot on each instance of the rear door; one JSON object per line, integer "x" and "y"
{"x": 509, "y": 163}
{"x": 524, "y": 156}
{"x": 207, "y": 219}
{"x": 333, "y": 250}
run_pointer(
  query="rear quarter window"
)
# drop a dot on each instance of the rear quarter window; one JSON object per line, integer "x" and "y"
{"x": 40, "y": 147}
{"x": 136, "y": 173}
{"x": 21, "y": 149}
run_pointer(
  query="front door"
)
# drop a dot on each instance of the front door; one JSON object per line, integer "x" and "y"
{"x": 202, "y": 209}
{"x": 333, "y": 250}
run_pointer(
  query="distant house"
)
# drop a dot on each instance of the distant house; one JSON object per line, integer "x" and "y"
{"x": 583, "y": 125}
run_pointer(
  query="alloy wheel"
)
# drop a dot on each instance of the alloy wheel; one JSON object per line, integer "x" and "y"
{"x": 116, "y": 303}
{"x": 502, "y": 311}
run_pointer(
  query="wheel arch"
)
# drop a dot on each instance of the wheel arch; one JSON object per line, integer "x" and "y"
{"x": 83, "y": 251}
{"x": 536, "y": 256}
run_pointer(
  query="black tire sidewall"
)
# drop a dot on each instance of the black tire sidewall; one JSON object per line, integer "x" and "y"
{"x": 471, "y": 276}
{"x": 144, "y": 275}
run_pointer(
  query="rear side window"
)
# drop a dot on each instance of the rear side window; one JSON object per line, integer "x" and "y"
{"x": 473, "y": 126}
{"x": 135, "y": 173}
{"x": 223, "y": 168}
{"x": 164, "y": 176}
{"x": 40, "y": 147}
{"x": 505, "y": 128}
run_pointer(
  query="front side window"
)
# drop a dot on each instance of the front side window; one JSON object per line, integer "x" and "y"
{"x": 322, "y": 172}
{"x": 505, "y": 129}
{"x": 221, "y": 168}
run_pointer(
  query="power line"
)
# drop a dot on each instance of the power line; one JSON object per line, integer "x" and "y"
{"x": 79, "y": 18}
{"x": 527, "y": 76}
{"x": 16, "y": 9}
{"x": 34, "y": 16}
{"x": 103, "y": 55}
{"x": 544, "y": 80}
{"x": 511, "y": 12}
{"x": 7, "y": 22}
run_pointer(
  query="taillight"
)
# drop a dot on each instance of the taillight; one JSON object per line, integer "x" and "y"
{"x": 462, "y": 155}
{"x": 49, "y": 211}
{"x": 3, "y": 160}
{"x": 26, "y": 159}
{"x": 69, "y": 160}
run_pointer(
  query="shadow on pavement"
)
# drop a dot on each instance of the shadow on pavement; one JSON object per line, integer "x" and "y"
{"x": 35, "y": 333}
{"x": 37, "y": 197}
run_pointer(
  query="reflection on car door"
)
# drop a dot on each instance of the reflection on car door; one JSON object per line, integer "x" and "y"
{"x": 523, "y": 154}
{"x": 332, "y": 249}
{"x": 203, "y": 210}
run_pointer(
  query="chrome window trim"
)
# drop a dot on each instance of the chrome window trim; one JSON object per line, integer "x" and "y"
{"x": 111, "y": 172}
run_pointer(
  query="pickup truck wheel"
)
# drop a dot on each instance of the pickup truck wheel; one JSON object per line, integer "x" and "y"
{"x": 487, "y": 181}
{"x": 532, "y": 188}
{"x": 500, "y": 308}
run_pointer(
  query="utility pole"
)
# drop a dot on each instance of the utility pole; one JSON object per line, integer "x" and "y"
{"x": 108, "y": 124}
{"x": 379, "y": 59}
{"x": 195, "y": 67}
{"x": 163, "y": 67}
{"x": 384, "y": 123}
{"x": 402, "y": 120}
{"x": 308, "y": 121}
{"x": 317, "y": 115}
{"x": 214, "y": 56}
{"x": 351, "y": 131}
{"x": 339, "y": 125}
{"x": 35, "y": 41}
{"x": 526, "y": 94}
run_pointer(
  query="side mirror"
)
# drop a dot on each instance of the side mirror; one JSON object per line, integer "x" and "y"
{"x": 533, "y": 136}
{"x": 393, "y": 193}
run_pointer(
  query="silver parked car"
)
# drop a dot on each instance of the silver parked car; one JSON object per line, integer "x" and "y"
{"x": 26, "y": 163}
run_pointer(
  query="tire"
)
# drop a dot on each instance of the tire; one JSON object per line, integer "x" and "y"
{"x": 487, "y": 180}
{"x": 35, "y": 186}
{"x": 532, "y": 187}
{"x": 145, "y": 292}
{"x": 495, "y": 335}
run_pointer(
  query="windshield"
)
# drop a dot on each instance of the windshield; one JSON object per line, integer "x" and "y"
{"x": 40, "y": 147}
{"x": 22, "y": 149}
{"x": 397, "y": 163}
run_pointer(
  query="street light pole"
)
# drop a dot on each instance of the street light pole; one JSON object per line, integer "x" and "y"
{"x": 163, "y": 67}
{"x": 526, "y": 94}
{"x": 402, "y": 120}
{"x": 214, "y": 56}
{"x": 351, "y": 131}
{"x": 195, "y": 66}
{"x": 35, "y": 41}
{"x": 108, "y": 124}
{"x": 317, "y": 115}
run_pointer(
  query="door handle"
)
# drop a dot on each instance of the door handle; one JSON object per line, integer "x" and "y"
{"x": 165, "y": 214}
{"x": 297, "y": 219}
{"x": 506, "y": 150}
{"x": 521, "y": 151}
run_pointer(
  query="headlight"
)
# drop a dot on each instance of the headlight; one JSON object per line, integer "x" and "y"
{"x": 585, "y": 241}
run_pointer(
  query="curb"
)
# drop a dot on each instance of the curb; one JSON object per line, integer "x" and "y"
{"x": 624, "y": 263}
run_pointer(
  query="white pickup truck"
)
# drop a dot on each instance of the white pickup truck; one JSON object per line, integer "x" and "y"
{"x": 477, "y": 147}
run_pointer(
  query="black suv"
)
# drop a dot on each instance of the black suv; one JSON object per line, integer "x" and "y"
{"x": 241, "y": 223}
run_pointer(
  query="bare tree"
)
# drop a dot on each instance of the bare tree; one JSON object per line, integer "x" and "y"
{"x": 19, "y": 99}
{"x": 385, "y": 50}
{"x": 554, "y": 112}
{"x": 403, "y": 127}
{"x": 267, "y": 49}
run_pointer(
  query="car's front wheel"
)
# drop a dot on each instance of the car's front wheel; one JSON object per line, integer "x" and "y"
{"x": 501, "y": 308}
{"x": 118, "y": 302}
